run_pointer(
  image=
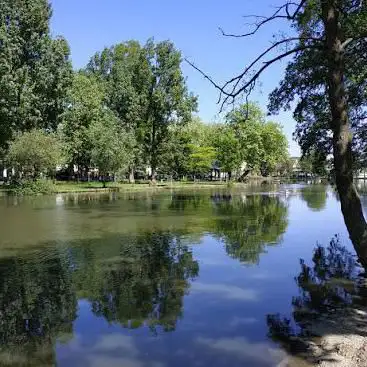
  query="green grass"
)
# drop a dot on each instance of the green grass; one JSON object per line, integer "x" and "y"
{"x": 70, "y": 187}
{"x": 60, "y": 187}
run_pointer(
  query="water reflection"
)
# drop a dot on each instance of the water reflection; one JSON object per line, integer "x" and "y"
{"x": 128, "y": 262}
{"x": 315, "y": 196}
{"x": 37, "y": 305}
{"x": 246, "y": 226}
{"x": 141, "y": 281}
{"x": 133, "y": 281}
{"x": 329, "y": 284}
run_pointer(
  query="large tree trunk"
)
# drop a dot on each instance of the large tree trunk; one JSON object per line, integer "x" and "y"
{"x": 342, "y": 136}
{"x": 132, "y": 175}
{"x": 153, "y": 176}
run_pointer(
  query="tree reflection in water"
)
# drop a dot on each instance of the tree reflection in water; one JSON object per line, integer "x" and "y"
{"x": 246, "y": 226}
{"x": 133, "y": 279}
{"x": 329, "y": 285}
{"x": 315, "y": 196}
{"x": 142, "y": 284}
{"x": 37, "y": 305}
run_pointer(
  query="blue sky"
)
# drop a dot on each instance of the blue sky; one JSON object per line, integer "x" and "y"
{"x": 91, "y": 25}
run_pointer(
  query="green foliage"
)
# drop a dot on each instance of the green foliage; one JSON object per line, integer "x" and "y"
{"x": 228, "y": 149}
{"x": 285, "y": 167}
{"x": 275, "y": 147}
{"x": 183, "y": 140}
{"x": 35, "y": 69}
{"x": 146, "y": 89}
{"x": 34, "y": 153}
{"x": 168, "y": 99}
{"x": 85, "y": 106}
{"x": 200, "y": 159}
{"x": 313, "y": 163}
{"x": 110, "y": 145}
{"x": 262, "y": 145}
{"x": 33, "y": 187}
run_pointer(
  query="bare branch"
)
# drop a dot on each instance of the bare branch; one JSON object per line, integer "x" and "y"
{"x": 206, "y": 76}
{"x": 230, "y": 90}
{"x": 263, "y": 54}
{"x": 253, "y": 79}
{"x": 276, "y": 15}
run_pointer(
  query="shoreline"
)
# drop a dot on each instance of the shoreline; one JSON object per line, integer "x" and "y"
{"x": 69, "y": 187}
{"x": 97, "y": 187}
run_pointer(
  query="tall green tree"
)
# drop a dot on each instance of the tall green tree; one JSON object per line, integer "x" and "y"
{"x": 85, "y": 106}
{"x": 228, "y": 149}
{"x": 124, "y": 70}
{"x": 147, "y": 91}
{"x": 35, "y": 70}
{"x": 328, "y": 49}
{"x": 275, "y": 147}
{"x": 110, "y": 146}
{"x": 247, "y": 121}
{"x": 201, "y": 159}
{"x": 262, "y": 144}
{"x": 168, "y": 100}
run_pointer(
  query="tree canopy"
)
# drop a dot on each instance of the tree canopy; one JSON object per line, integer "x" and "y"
{"x": 34, "y": 67}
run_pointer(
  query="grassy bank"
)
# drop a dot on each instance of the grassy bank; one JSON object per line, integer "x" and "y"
{"x": 45, "y": 187}
{"x": 74, "y": 187}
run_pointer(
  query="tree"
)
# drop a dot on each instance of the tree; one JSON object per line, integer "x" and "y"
{"x": 177, "y": 151}
{"x": 182, "y": 141}
{"x": 247, "y": 121}
{"x": 228, "y": 149}
{"x": 329, "y": 58}
{"x": 35, "y": 69}
{"x": 200, "y": 159}
{"x": 285, "y": 168}
{"x": 262, "y": 144}
{"x": 313, "y": 163}
{"x": 275, "y": 147}
{"x": 34, "y": 153}
{"x": 85, "y": 106}
{"x": 147, "y": 91}
{"x": 168, "y": 99}
{"x": 110, "y": 145}
{"x": 124, "y": 69}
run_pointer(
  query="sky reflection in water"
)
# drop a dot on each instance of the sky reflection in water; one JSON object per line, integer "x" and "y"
{"x": 172, "y": 278}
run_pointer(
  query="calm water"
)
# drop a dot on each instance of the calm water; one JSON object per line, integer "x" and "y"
{"x": 192, "y": 278}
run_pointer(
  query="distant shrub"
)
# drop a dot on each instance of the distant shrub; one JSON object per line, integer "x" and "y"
{"x": 33, "y": 187}
{"x": 230, "y": 184}
{"x": 35, "y": 153}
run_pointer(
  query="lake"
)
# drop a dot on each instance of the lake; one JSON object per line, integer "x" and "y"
{"x": 166, "y": 278}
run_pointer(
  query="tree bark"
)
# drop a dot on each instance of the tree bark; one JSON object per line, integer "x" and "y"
{"x": 153, "y": 176}
{"x": 342, "y": 136}
{"x": 132, "y": 175}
